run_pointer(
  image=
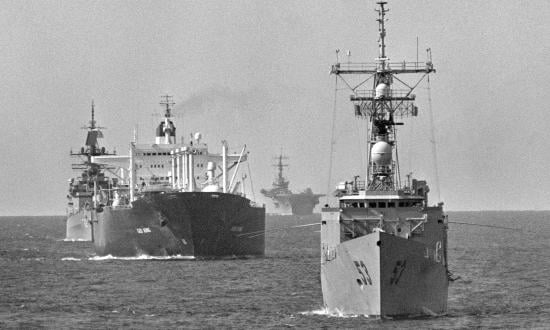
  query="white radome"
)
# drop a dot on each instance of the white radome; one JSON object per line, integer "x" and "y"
{"x": 381, "y": 153}
{"x": 382, "y": 90}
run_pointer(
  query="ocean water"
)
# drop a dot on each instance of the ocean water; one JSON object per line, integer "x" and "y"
{"x": 50, "y": 283}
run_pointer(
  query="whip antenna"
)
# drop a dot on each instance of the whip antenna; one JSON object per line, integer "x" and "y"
{"x": 332, "y": 142}
{"x": 432, "y": 131}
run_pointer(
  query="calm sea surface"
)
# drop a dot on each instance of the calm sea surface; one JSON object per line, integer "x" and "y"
{"x": 49, "y": 283}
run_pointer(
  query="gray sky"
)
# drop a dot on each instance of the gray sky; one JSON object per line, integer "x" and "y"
{"x": 257, "y": 72}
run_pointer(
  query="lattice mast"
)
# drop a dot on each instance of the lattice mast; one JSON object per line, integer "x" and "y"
{"x": 381, "y": 104}
{"x": 280, "y": 179}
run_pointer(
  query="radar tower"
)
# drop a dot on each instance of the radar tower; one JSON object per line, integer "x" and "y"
{"x": 381, "y": 105}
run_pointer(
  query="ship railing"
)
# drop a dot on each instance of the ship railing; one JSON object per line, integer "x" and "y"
{"x": 353, "y": 187}
{"x": 369, "y": 94}
{"x": 417, "y": 223}
{"x": 354, "y": 227}
{"x": 373, "y": 67}
{"x": 366, "y": 108}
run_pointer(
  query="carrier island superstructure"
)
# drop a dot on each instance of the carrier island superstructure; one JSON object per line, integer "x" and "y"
{"x": 384, "y": 248}
{"x": 178, "y": 199}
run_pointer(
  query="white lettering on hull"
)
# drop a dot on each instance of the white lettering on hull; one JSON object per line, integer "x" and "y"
{"x": 144, "y": 230}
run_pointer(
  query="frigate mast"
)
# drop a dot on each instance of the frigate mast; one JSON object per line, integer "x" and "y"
{"x": 381, "y": 105}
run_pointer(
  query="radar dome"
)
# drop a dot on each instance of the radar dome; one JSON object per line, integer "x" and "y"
{"x": 382, "y": 90}
{"x": 381, "y": 153}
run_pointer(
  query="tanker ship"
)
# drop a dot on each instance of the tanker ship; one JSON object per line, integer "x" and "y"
{"x": 383, "y": 247}
{"x": 178, "y": 199}
{"x": 83, "y": 187}
{"x": 286, "y": 202}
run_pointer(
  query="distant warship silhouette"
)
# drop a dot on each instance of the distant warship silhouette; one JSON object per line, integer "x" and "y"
{"x": 284, "y": 200}
{"x": 82, "y": 189}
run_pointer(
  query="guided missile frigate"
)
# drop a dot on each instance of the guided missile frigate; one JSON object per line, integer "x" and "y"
{"x": 384, "y": 248}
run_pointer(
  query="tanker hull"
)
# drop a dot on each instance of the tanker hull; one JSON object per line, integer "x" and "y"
{"x": 194, "y": 224}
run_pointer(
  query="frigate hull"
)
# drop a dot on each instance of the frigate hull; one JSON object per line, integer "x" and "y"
{"x": 196, "y": 224}
{"x": 383, "y": 275}
{"x": 79, "y": 226}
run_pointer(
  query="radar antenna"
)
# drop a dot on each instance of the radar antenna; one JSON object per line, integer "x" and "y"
{"x": 381, "y": 104}
{"x": 168, "y": 101}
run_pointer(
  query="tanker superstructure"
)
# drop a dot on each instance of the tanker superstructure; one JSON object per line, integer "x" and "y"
{"x": 286, "y": 202}
{"x": 84, "y": 187}
{"x": 179, "y": 199}
{"x": 383, "y": 248}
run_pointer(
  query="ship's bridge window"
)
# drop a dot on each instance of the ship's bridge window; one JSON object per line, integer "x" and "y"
{"x": 345, "y": 204}
{"x": 372, "y": 204}
{"x": 354, "y": 205}
{"x": 382, "y": 204}
{"x": 362, "y": 205}
{"x": 412, "y": 203}
{"x": 391, "y": 204}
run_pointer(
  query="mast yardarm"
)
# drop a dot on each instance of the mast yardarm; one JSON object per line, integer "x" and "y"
{"x": 381, "y": 104}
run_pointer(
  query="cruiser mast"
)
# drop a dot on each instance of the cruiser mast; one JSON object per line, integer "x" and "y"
{"x": 166, "y": 132}
{"x": 381, "y": 104}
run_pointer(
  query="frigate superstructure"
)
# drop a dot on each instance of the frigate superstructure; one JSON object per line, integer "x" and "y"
{"x": 179, "y": 199}
{"x": 83, "y": 188}
{"x": 383, "y": 247}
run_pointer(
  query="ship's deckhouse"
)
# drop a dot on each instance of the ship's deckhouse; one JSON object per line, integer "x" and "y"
{"x": 154, "y": 162}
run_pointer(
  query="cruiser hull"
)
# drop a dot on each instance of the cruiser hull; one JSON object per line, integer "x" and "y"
{"x": 78, "y": 227}
{"x": 383, "y": 275}
{"x": 197, "y": 224}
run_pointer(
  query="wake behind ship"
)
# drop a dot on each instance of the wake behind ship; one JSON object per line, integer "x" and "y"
{"x": 383, "y": 248}
{"x": 179, "y": 200}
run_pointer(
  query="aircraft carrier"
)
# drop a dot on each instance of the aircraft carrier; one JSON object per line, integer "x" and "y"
{"x": 286, "y": 202}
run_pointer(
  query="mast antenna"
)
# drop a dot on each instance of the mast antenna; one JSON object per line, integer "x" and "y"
{"x": 92, "y": 122}
{"x": 168, "y": 101}
{"x": 382, "y": 30}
